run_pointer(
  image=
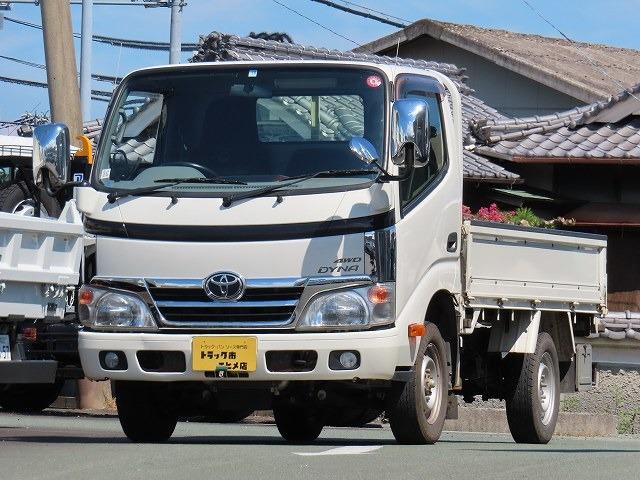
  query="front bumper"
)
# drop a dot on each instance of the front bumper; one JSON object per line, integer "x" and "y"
{"x": 381, "y": 352}
{"x": 28, "y": 371}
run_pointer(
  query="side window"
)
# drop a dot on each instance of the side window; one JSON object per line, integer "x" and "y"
{"x": 422, "y": 178}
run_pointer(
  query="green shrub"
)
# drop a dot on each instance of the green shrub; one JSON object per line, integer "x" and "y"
{"x": 525, "y": 216}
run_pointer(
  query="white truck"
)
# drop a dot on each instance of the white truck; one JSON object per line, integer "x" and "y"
{"x": 288, "y": 235}
{"x": 39, "y": 273}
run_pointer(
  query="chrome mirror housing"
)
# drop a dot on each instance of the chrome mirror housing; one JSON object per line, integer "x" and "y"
{"x": 51, "y": 152}
{"x": 364, "y": 150}
{"x": 410, "y": 127}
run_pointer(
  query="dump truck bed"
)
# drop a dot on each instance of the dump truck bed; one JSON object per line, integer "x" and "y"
{"x": 39, "y": 259}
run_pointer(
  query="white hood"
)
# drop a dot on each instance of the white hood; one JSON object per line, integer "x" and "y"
{"x": 271, "y": 249}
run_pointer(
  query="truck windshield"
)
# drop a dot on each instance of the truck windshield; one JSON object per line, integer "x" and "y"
{"x": 256, "y": 125}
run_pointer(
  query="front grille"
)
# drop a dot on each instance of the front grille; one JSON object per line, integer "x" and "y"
{"x": 271, "y": 306}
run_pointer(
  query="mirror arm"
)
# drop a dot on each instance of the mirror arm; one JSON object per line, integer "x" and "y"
{"x": 46, "y": 182}
{"x": 387, "y": 177}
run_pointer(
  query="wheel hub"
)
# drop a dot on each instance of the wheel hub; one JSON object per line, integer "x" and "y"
{"x": 27, "y": 208}
{"x": 546, "y": 388}
{"x": 431, "y": 382}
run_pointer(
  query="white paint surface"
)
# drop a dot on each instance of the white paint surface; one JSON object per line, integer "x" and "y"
{"x": 348, "y": 450}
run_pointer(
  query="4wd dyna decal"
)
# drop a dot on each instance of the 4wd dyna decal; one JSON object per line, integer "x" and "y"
{"x": 342, "y": 265}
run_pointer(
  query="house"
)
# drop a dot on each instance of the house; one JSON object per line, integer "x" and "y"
{"x": 518, "y": 74}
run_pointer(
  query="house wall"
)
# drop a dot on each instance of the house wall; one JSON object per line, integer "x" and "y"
{"x": 507, "y": 91}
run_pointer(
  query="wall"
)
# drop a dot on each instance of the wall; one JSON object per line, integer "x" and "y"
{"x": 507, "y": 91}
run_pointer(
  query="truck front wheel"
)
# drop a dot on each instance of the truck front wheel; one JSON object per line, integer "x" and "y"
{"x": 417, "y": 415}
{"x": 297, "y": 424}
{"x": 144, "y": 411}
{"x": 533, "y": 396}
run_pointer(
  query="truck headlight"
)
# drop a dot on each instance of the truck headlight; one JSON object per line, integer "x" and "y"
{"x": 357, "y": 308}
{"x": 100, "y": 308}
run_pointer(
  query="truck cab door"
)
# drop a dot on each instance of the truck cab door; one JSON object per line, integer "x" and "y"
{"x": 430, "y": 201}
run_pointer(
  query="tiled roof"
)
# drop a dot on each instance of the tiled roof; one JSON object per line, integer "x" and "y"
{"x": 603, "y": 131}
{"x": 575, "y": 68}
{"x": 221, "y": 47}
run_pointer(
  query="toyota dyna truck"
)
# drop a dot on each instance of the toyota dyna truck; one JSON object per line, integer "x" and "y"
{"x": 288, "y": 235}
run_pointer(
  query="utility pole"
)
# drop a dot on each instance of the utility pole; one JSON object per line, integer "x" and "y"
{"x": 175, "y": 33}
{"x": 85, "y": 58}
{"x": 64, "y": 101}
{"x": 64, "y": 97}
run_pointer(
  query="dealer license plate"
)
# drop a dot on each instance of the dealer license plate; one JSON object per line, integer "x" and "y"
{"x": 5, "y": 348}
{"x": 229, "y": 354}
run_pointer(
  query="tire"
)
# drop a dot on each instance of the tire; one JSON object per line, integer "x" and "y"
{"x": 356, "y": 417}
{"x": 29, "y": 397}
{"x": 298, "y": 424}
{"x": 417, "y": 414}
{"x": 16, "y": 198}
{"x": 143, "y": 411}
{"x": 533, "y": 396}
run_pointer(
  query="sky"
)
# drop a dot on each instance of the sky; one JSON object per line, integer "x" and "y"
{"x": 614, "y": 22}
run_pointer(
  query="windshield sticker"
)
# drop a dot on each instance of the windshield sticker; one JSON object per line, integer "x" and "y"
{"x": 374, "y": 81}
{"x": 253, "y": 73}
{"x": 105, "y": 173}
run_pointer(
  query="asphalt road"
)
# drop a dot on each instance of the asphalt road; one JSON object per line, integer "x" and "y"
{"x": 53, "y": 446}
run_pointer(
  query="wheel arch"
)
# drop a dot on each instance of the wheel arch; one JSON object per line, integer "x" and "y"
{"x": 442, "y": 312}
{"x": 559, "y": 326}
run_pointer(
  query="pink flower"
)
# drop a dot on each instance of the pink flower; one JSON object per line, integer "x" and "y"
{"x": 492, "y": 214}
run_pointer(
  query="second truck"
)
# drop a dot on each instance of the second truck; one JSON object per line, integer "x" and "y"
{"x": 288, "y": 235}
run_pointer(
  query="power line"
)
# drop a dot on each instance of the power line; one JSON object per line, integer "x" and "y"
{"x": 315, "y": 22}
{"x": 35, "y": 83}
{"x": 364, "y": 7}
{"x": 24, "y": 62}
{"x": 96, "y": 76}
{"x": 360, "y": 13}
{"x": 584, "y": 54}
{"x": 124, "y": 42}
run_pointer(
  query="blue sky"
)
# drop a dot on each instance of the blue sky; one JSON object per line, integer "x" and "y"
{"x": 613, "y": 22}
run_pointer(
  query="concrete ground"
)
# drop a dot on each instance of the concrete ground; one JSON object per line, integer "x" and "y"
{"x": 56, "y": 446}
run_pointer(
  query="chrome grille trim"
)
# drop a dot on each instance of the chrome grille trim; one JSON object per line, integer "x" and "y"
{"x": 250, "y": 283}
{"x": 230, "y": 304}
{"x": 306, "y": 288}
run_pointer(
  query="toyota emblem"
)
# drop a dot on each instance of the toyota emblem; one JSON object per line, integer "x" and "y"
{"x": 224, "y": 286}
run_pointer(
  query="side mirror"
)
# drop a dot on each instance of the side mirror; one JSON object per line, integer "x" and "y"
{"x": 364, "y": 150}
{"x": 51, "y": 155}
{"x": 410, "y": 128}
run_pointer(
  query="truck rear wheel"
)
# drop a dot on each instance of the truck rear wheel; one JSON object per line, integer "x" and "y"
{"x": 29, "y": 397}
{"x": 417, "y": 416}
{"x": 16, "y": 199}
{"x": 297, "y": 424}
{"x": 534, "y": 397}
{"x": 144, "y": 412}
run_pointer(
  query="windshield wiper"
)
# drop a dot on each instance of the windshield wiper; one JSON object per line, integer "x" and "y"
{"x": 170, "y": 182}
{"x": 259, "y": 192}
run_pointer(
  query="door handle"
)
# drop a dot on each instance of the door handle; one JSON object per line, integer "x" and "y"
{"x": 452, "y": 242}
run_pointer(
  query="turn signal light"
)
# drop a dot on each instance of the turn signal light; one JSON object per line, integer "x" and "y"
{"x": 85, "y": 296}
{"x": 417, "y": 330}
{"x": 379, "y": 294}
